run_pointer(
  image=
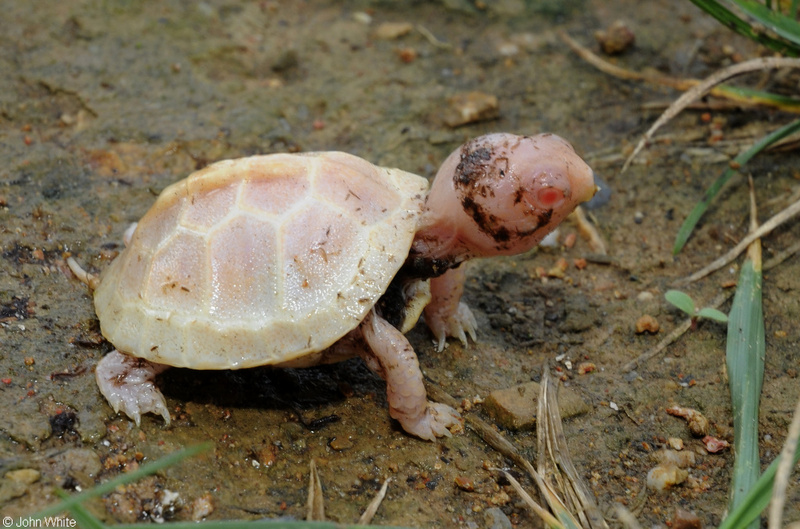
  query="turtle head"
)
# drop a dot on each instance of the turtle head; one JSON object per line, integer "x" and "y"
{"x": 501, "y": 194}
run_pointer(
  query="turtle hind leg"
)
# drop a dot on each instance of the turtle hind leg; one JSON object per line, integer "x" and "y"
{"x": 128, "y": 384}
{"x": 392, "y": 357}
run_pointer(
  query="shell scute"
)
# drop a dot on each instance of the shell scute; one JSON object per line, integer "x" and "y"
{"x": 156, "y": 226}
{"x": 275, "y": 187}
{"x": 318, "y": 245}
{"x": 205, "y": 210}
{"x": 178, "y": 277}
{"x": 356, "y": 190}
{"x": 244, "y": 284}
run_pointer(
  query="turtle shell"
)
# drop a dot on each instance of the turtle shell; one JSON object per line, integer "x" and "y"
{"x": 259, "y": 260}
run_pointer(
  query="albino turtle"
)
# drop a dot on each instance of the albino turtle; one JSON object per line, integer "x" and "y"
{"x": 301, "y": 259}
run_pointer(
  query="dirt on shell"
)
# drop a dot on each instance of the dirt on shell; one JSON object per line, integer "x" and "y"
{"x": 103, "y": 104}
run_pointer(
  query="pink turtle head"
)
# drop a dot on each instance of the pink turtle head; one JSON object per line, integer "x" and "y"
{"x": 501, "y": 194}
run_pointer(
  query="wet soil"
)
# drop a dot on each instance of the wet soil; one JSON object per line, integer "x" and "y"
{"x": 103, "y": 104}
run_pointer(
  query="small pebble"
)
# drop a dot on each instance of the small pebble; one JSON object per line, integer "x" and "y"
{"x": 676, "y": 443}
{"x": 647, "y": 324}
{"x": 393, "y": 30}
{"x": 559, "y": 269}
{"x": 617, "y": 38}
{"x": 638, "y": 217}
{"x": 644, "y": 296}
{"x": 663, "y": 477}
{"x": 407, "y": 55}
{"x": 339, "y": 443}
{"x": 714, "y": 445}
{"x": 464, "y": 483}
{"x": 495, "y": 518}
{"x": 471, "y": 107}
{"x": 698, "y": 424}
{"x": 202, "y": 507}
{"x": 673, "y": 457}
{"x": 362, "y": 17}
{"x": 26, "y": 476}
{"x": 684, "y": 519}
{"x": 586, "y": 367}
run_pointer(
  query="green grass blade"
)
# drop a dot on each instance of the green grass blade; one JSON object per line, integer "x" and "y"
{"x": 759, "y": 97}
{"x": 86, "y": 520}
{"x": 81, "y": 515}
{"x": 743, "y": 27}
{"x": 758, "y": 498}
{"x": 745, "y": 362}
{"x": 694, "y": 217}
{"x": 258, "y": 524}
{"x": 122, "y": 479}
{"x": 782, "y": 25}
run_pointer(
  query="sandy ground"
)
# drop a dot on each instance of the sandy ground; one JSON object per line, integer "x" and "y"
{"x": 103, "y": 104}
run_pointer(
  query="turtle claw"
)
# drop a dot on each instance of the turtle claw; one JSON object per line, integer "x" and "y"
{"x": 128, "y": 385}
{"x": 458, "y": 325}
{"x": 433, "y": 423}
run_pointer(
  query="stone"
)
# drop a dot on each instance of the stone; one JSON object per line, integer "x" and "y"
{"x": 470, "y": 107}
{"x": 515, "y": 408}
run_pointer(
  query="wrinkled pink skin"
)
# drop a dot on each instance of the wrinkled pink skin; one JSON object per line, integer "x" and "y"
{"x": 499, "y": 194}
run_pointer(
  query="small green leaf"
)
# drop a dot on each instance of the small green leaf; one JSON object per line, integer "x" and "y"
{"x": 682, "y": 301}
{"x": 712, "y": 314}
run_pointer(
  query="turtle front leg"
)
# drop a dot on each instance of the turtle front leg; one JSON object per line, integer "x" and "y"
{"x": 446, "y": 315}
{"x": 391, "y": 356}
{"x": 128, "y": 384}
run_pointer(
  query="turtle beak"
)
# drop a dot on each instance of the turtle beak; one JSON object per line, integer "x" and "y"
{"x": 590, "y": 190}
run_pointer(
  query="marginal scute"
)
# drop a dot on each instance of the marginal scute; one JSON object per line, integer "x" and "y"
{"x": 259, "y": 261}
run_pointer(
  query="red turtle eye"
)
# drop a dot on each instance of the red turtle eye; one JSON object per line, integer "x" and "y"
{"x": 550, "y": 196}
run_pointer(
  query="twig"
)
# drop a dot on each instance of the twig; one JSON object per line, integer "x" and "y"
{"x": 764, "y": 229}
{"x": 372, "y": 508}
{"x": 589, "y": 232}
{"x": 315, "y": 506}
{"x": 704, "y": 87}
{"x": 673, "y": 336}
{"x": 484, "y": 430}
{"x": 784, "y": 470}
{"x": 679, "y": 84}
{"x": 494, "y": 439}
{"x": 432, "y": 38}
{"x": 622, "y": 73}
{"x": 548, "y": 518}
{"x": 553, "y": 449}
